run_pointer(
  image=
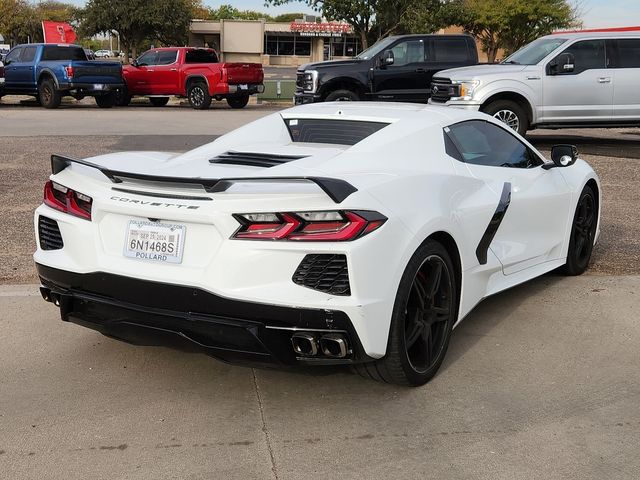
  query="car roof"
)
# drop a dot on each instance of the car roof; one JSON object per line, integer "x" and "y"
{"x": 596, "y": 34}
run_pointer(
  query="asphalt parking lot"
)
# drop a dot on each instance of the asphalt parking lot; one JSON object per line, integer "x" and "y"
{"x": 540, "y": 381}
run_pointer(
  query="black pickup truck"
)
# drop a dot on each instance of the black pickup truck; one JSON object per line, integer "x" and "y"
{"x": 396, "y": 68}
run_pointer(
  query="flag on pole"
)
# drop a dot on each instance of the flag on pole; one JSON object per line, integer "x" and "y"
{"x": 58, "y": 32}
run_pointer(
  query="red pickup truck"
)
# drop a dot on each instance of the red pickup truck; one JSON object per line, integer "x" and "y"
{"x": 189, "y": 72}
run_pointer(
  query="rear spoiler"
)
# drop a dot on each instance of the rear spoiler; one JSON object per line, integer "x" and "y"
{"x": 335, "y": 188}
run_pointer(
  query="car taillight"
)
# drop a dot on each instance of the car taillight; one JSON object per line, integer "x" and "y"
{"x": 69, "y": 70}
{"x": 66, "y": 200}
{"x": 326, "y": 226}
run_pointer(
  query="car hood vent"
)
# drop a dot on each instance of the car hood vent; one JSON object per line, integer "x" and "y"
{"x": 252, "y": 159}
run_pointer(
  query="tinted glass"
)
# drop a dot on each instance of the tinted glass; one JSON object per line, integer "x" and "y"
{"x": 148, "y": 58}
{"x": 339, "y": 132}
{"x": 408, "y": 52}
{"x": 201, "y": 56}
{"x": 588, "y": 55}
{"x": 167, "y": 57}
{"x": 55, "y": 52}
{"x": 629, "y": 53}
{"x": 13, "y": 55}
{"x": 28, "y": 54}
{"x": 376, "y": 48}
{"x": 449, "y": 50}
{"x": 482, "y": 143}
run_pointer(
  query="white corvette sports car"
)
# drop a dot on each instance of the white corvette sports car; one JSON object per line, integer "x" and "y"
{"x": 332, "y": 233}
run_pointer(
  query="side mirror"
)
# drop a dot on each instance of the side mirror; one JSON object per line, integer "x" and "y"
{"x": 134, "y": 63}
{"x": 386, "y": 59}
{"x": 563, "y": 63}
{"x": 564, "y": 155}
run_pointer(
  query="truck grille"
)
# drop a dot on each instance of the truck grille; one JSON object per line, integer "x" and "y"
{"x": 324, "y": 272}
{"x": 49, "y": 234}
{"x": 442, "y": 89}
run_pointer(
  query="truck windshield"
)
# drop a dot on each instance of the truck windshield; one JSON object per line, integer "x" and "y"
{"x": 375, "y": 49}
{"x": 58, "y": 52}
{"x": 532, "y": 53}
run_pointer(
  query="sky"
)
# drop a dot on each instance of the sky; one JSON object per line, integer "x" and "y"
{"x": 596, "y": 13}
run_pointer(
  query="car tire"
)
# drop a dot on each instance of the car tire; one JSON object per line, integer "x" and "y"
{"x": 425, "y": 309}
{"x": 48, "y": 94}
{"x": 123, "y": 98}
{"x": 106, "y": 101}
{"x": 342, "y": 95}
{"x": 238, "y": 102}
{"x": 198, "y": 95}
{"x": 510, "y": 113}
{"x": 159, "y": 101}
{"x": 583, "y": 230}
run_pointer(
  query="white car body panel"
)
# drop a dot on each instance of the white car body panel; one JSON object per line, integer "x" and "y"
{"x": 401, "y": 171}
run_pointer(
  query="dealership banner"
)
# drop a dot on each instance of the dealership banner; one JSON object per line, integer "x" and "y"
{"x": 58, "y": 32}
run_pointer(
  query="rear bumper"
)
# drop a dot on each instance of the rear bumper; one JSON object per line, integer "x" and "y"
{"x": 186, "y": 318}
{"x": 91, "y": 88}
{"x": 244, "y": 89}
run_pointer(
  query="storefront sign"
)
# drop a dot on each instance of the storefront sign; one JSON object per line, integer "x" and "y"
{"x": 309, "y": 29}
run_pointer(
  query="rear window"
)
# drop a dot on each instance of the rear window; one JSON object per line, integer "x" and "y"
{"x": 201, "y": 56}
{"x": 338, "y": 132}
{"x": 55, "y": 52}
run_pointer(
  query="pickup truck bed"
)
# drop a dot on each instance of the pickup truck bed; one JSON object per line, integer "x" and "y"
{"x": 50, "y": 71}
{"x": 195, "y": 73}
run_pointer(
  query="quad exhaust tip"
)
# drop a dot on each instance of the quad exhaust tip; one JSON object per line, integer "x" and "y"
{"x": 333, "y": 345}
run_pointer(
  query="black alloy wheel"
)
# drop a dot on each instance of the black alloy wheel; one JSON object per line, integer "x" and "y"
{"x": 428, "y": 310}
{"x": 342, "y": 95}
{"x": 583, "y": 230}
{"x": 48, "y": 95}
{"x": 198, "y": 95}
{"x": 238, "y": 101}
{"x": 425, "y": 309}
{"x": 107, "y": 100}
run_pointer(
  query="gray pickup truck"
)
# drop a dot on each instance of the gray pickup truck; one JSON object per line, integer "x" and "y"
{"x": 585, "y": 79}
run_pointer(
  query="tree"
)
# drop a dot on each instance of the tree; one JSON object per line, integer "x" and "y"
{"x": 229, "y": 12}
{"x": 18, "y": 22}
{"x": 288, "y": 17}
{"x": 510, "y": 24}
{"x": 374, "y": 19}
{"x": 166, "y": 21}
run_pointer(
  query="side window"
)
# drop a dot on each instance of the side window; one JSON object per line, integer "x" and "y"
{"x": 13, "y": 55}
{"x": 588, "y": 55}
{"x": 28, "y": 54}
{"x": 628, "y": 53}
{"x": 167, "y": 57}
{"x": 483, "y": 143}
{"x": 449, "y": 49}
{"x": 148, "y": 58}
{"x": 201, "y": 56}
{"x": 408, "y": 52}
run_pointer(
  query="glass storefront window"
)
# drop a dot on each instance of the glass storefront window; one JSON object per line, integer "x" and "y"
{"x": 293, "y": 44}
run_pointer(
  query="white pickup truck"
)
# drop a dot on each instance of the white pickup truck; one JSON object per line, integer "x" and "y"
{"x": 585, "y": 79}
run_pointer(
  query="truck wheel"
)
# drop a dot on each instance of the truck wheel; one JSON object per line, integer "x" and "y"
{"x": 49, "y": 96}
{"x": 510, "y": 113}
{"x": 342, "y": 96}
{"x": 123, "y": 98}
{"x": 159, "y": 101}
{"x": 106, "y": 101}
{"x": 198, "y": 95}
{"x": 238, "y": 102}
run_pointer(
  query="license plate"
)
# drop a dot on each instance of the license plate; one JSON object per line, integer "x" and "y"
{"x": 155, "y": 242}
{"x": 243, "y": 86}
{"x": 98, "y": 86}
